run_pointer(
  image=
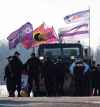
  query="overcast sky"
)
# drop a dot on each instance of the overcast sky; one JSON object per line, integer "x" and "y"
{"x": 14, "y": 13}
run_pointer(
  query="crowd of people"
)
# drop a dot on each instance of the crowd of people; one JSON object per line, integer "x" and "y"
{"x": 85, "y": 76}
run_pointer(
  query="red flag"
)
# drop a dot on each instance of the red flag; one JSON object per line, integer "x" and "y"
{"x": 43, "y": 35}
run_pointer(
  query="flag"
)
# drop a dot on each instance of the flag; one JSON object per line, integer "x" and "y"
{"x": 22, "y": 35}
{"x": 76, "y": 30}
{"x": 27, "y": 41}
{"x": 43, "y": 35}
{"x": 51, "y": 34}
{"x": 78, "y": 16}
{"x": 40, "y": 29}
{"x": 13, "y": 35}
{"x": 13, "y": 39}
{"x": 26, "y": 35}
{"x": 13, "y": 43}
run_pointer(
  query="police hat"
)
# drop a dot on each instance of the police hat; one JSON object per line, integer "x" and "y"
{"x": 32, "y": 54}
{"x": 16, "y": 53}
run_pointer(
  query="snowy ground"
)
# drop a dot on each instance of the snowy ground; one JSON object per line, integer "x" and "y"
{"x": 3, "y": 91}
{"x": 46, "y": 101}
{"x": 50, "y": 102}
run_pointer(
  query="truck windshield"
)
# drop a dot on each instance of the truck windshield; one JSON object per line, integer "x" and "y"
{"x": 52, "y": 52}
{"x": 70, "y": 52}
{"x": 55, "y": 52}
{"x": 64, "y": 50}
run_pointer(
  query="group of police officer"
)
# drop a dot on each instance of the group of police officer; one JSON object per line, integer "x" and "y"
{"x": 52, "y": 73}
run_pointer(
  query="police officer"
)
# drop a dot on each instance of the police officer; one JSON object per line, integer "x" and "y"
{"x": 87, "y": 78}
{"x": 95, "y": 76}
{"x": 59, "y": 70}
{"x": 79, "y": 78}
{"x": 34, "y": 74}
{"x": 72, "y": 66}
{"x": 18, "y": 68}
{"x": 49, "y": 77}
{"x": 10, "y": 77}
{"x": 98, "y": 69}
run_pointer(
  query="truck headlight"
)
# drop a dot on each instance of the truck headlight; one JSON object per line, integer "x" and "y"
{"x": 41, "y": 57}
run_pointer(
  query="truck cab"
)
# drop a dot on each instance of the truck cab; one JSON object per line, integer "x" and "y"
{"x": 66, "y": 51}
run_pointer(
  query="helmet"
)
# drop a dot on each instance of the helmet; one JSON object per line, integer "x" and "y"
{"x": 16, "y": 53}
{"x": 10, "y": 58}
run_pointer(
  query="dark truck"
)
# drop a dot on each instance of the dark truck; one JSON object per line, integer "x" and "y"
{"x": 65, "y": 51}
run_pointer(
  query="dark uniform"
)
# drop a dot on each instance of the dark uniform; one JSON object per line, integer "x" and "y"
{"x": 95, "y": 76}
{"x": 49, "y": 77}
{"x": 59, "y": 70}
{"x": 10, "y": 78}
{"x": 18, "y": 68}
{"x": 33, "y": 73}
{"x": 98, "y": 69}
{"x": 79, "y": 79}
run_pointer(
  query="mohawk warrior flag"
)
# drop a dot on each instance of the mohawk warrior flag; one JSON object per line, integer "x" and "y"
{"x": 77, "y": 30}
{"x": 44, "y": 35}
{"x": 81, "y": 28}
{"x": 78, "y": 16}
{"x": 22, "y": 35}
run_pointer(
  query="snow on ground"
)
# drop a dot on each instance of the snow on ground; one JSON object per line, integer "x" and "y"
{"x": 3, "y": 91}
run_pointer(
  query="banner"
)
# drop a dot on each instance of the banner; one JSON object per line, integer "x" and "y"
{"x": 13, "y": 39}
{"x": 26, "y": 35}
{"x": 76, "y": 30}
{"x": 78, "y": 16}
{"x": 43, "y": 35}
{"x": 22, "y": 35}
{"x": 13, "y": 43}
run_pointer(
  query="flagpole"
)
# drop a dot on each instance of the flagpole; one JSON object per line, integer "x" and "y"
{"x": 89, "y": 38}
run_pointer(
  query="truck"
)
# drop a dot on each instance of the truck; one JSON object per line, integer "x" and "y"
{"x": 66, "y": 51}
